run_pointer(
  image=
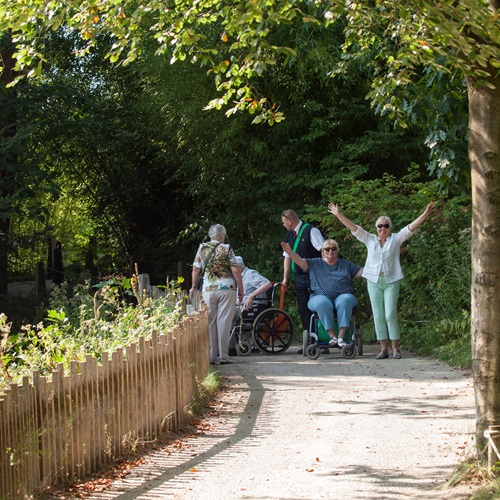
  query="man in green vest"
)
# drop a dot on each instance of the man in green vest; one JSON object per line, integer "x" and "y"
{"x": 306, "y": 240}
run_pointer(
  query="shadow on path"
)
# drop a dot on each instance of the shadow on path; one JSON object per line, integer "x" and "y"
{"x": 286, "y": 427}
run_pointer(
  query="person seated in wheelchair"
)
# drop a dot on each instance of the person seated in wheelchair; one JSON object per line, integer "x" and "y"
{"x": 256, "y": 289}
{"x": 331, "y": 286}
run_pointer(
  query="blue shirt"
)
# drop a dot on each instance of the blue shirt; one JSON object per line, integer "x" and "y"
{"x": 331, "y": 281}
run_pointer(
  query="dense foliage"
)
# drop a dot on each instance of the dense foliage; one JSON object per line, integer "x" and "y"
{"x": 134, "y": 168}
{"x": 144, "y": 171}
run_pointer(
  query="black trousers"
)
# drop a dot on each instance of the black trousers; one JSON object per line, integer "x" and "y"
{"x": 302, "y": 292}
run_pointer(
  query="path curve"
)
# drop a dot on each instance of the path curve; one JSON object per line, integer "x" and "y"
{"x": 286, "y": 427}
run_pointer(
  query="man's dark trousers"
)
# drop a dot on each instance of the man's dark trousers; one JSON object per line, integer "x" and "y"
{"x": 302, "y": 291}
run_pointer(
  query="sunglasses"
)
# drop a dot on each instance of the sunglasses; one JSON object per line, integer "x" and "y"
{"x": 387, "y": 226}
{"x": 330, "y": 249}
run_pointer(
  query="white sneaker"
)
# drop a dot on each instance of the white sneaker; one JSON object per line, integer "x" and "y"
{"x": 333, "y": 341}
{"x": 341, "y": 343}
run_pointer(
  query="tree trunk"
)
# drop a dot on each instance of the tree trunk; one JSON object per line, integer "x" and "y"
{"x": 7, "y": 131}
{"x": 484, "y": 143}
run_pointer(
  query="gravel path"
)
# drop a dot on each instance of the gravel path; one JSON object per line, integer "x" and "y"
{"x": 286, "y": 427}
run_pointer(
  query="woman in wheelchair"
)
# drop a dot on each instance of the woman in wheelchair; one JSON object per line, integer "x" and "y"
{"x": 331, "y": 285}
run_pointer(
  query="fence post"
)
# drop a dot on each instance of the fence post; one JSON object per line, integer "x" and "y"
{"x": 50, "y": 257}
{"x": 55, "y": 261}
{"x": 144, "y": 286}
{"x": 89, "y": 262}
{"x": 493, "y": 435}
{"x": 58, "y": 274}
{"x": 40, "y": 286}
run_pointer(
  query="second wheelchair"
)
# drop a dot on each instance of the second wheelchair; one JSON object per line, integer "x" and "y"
{"x": 266, "y": 328}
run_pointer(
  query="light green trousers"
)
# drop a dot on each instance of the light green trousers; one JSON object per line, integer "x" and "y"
{"x": 384, "y": 300}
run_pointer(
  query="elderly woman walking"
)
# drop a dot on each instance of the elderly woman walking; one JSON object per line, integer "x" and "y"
{"x": 221, "y": 282}
{"x": 383, "y": 272}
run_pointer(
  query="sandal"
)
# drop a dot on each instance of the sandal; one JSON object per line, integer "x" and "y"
{"x": 333, "y": 342}
{"x": 396, "y": 354}
{"x": 383, "y": 354}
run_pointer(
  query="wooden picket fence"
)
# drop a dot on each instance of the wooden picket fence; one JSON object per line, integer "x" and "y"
{"x": 63, "y": 427}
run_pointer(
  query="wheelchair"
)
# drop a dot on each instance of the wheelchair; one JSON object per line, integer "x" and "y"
{"x": 266, "y": 328}
{"x": 316, "y": 339}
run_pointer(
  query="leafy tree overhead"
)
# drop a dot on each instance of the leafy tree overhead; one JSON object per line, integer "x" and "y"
{"x": 109, "y": 143}
{"x": 227, "y": 170}
{"x": 95, "y": 126}
{"x": 404, "y": 44}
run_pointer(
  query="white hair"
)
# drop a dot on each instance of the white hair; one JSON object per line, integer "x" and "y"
{"x": 328, "y": 242}
{"x": 383, "y": 219}
{"x": 216, "y": 232}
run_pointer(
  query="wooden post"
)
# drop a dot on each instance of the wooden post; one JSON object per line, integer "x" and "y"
{"x": 40, "y": 288}
{"x": 493, "y": 434}
{"x": 58, "y": 273}
{"x": 89, "y": 262}
{"x": 50, "y": 257}
{"x": 144, "y": 286}
{"x": 197, "y": 300}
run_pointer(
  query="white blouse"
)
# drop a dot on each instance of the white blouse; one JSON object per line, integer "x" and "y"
{"x": 383, "y": 259}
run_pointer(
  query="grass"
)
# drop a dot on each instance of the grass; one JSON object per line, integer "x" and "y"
{"x": 475, "y": 474}
{"x": 208, "y": 387}
{"x": 456, "y": 353}
{"x": 211, "y": 384}
{"x": 489, "y": 491}
{"x": 448, "y": 340}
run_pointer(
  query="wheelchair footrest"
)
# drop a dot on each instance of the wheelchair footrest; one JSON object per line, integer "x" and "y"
{"x": 324, "y": 343}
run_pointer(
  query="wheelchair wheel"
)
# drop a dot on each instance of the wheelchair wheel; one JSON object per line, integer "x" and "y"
{"x": 313, "y": 351}
{"x": 244, "y": 347}
{"x": 349, "y": 351}
{"x": 273, "y": 331}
